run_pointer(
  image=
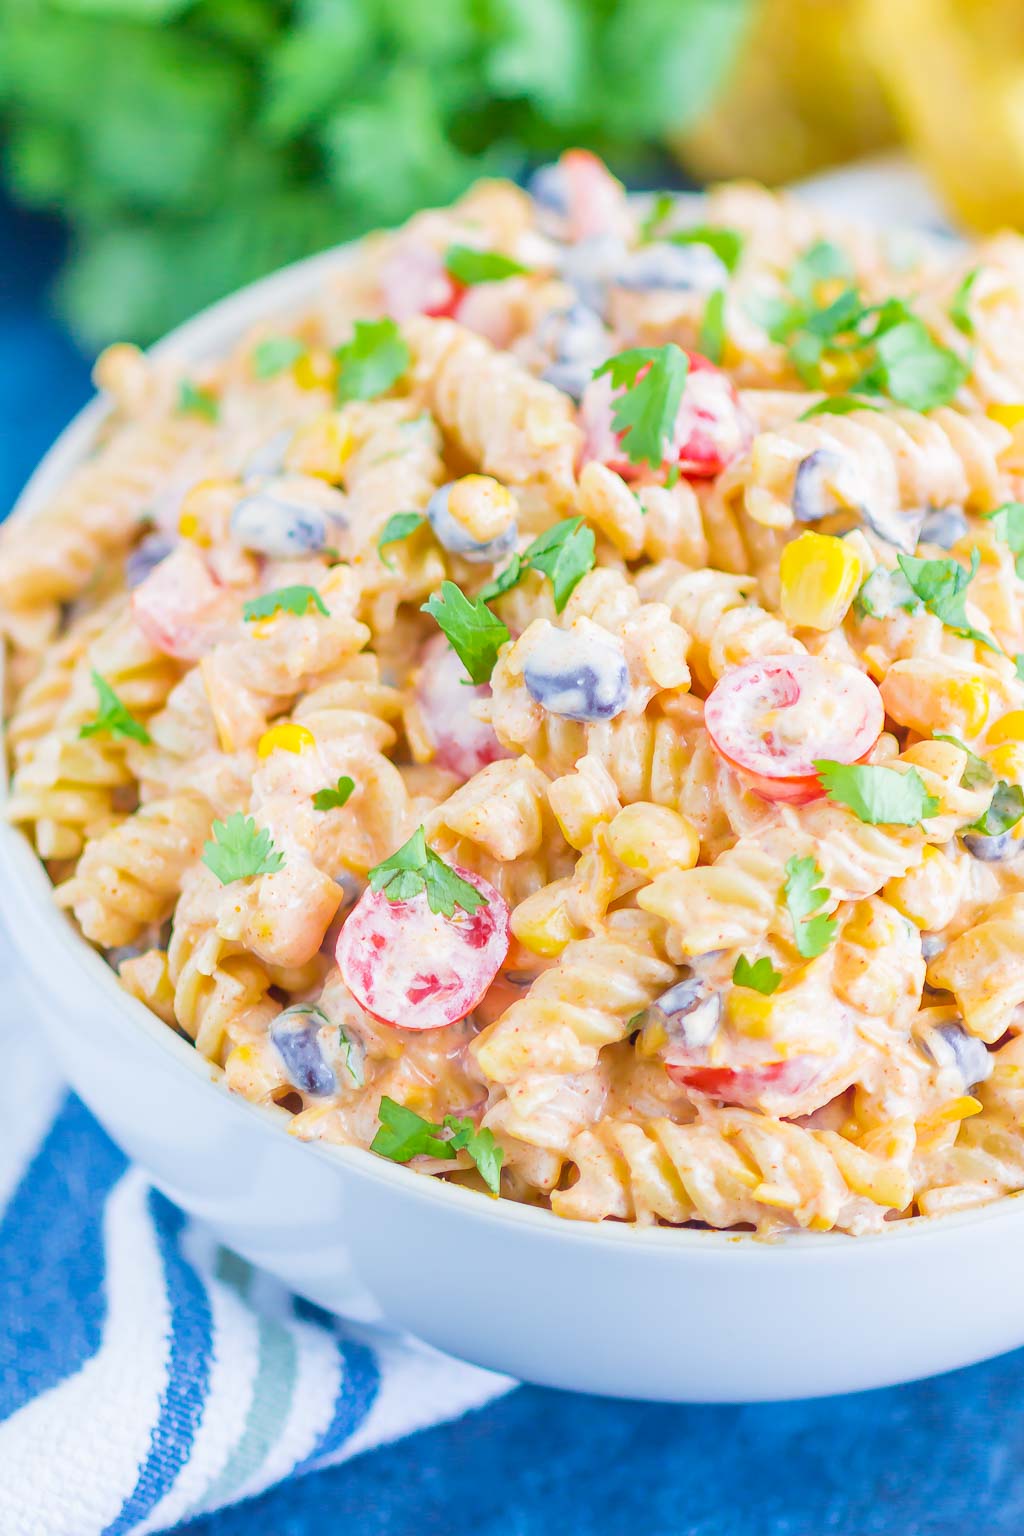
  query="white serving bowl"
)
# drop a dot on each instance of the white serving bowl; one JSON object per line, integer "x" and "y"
{"x": 648, "y": 1313}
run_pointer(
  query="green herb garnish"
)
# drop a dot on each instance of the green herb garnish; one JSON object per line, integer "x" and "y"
{"x": 415, "y": 869}
{"x": 238, "y": 851}
{"x": 275, "y": 354}
{"x": 372, "y": 361}
{"x": 644, "y": 414}
{"x": 474, "y": 633}
{"x": 760, "y": 976}
{"x": 333, "y": 799}
{"x": 399, "y": 526}
{"x": 977, "y": 774}
{"x": 565, "y": 553}
{"x": 959, "y": 309}
{"x": 942, "y": 586}
{"x": 294, "y": 600}
{"x": 914, "y": 370}
{"x": 1008, "y": 524}
{"x": 193, "y": 400}
{"x": 404, "y": 1134}
{"x": 840, "y": 405}
{"x": 112, "y": 717}
{"x": 470, "y": 266}
{"x": 876, "y": 795}
{"x": 1004, "y": 811}
{"x": 711, "y": 337}
{"x": 727, "y": 244}
{"x": 804, "y": 896}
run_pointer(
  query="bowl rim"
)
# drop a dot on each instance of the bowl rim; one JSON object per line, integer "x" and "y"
{"x": 199, "y": 338}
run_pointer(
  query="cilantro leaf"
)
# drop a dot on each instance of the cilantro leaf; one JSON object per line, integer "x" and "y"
{"x": 711, "y": 337}
{"x": 275, "y": 354}
{"x": 876, "y": 795}
{"x": 470, "y": 266}
{"x": 404, "y": 1134}
{"x": 237, "y": 850}
{"x": 977, "y": 774}
{"x": 760, "y": 976}
{"x": 193, "y": 400}
{"x": 671, "y": 479}
{"x": 398, "y": 527}
{"x": 818, "y": 263}
{"x": 915, "y": 370}
{"x": 481, "y": 1146}
{"x": 959, "y": 308}
{"x": 1004, "y": 811}
{"x": 727, "y": 244}
{"x": 778, "y": 317}
{"x": 842, "y": 314}
{"x": 355, "y": 1058}
{"x": 941, "y": 585}
{"x": 372, "y": 361}
{"x": 802, "y": 897}
{"x": 1008, "y": 524}
{"x": 294, "y": 600}
{"x": 650, "y": 224}
{"x": 644, "y": 415}
{"x": 414, "y": 869}
{"x": 883, "y": 593}
{"x": 334, "y": 799}
{"x": 113, "y": 718}
{"x": 565, "y": 553}
{"x": 474, "y": 633}
{"x": 505, "y": 580}
{"x": 839, "y": 405}
{"x": 1018, "y": 663}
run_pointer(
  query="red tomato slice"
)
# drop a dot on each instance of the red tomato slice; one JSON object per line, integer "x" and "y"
{"x": 180, "y": 608}
{"x": 462, "y": 743}
{"x": 711, "y": 427}
{"x": 418, "y": 969}
{"x": 773, "y": 719}
{"x": 596, "y": 201}
{"x": 414, "y": 281}
{"x": 747, "y": 1085}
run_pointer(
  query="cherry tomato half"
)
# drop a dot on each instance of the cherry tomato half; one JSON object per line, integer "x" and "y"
{"x": 462, "y": 743}
{"x": 414, "y": 281}
{"x": 774, "y": 719}
{"x": 747, "y": 1085}
{"x": 418, "y": 969}
{"x": 711, "y": 426}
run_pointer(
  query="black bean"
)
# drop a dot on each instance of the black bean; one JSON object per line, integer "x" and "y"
{"x": 952, "y": 1045}
{"x": 942, "y": 526}
{"x": 578, "y": 678}
{"x": 294, "y": 1035}
{"x": 664, "y": 266}
{"x": 691, "y": 1011}
{"x": 999, "y": 849}
{"x": 154, "y": 548}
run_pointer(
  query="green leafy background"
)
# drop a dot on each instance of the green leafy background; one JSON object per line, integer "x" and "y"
{"x": 195, "y": 144}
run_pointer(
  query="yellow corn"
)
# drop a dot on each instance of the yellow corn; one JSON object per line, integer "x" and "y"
{"x": 820, "y": 576}
{"x": 322, "y": 448}
{"x": 1007, "y": 415}
{"x": 652, "y": 1038}
{"x": 751, "y": 1012}
{"x": 189, "y": 528}
{"x": 651, "y": 838}
{"x": 1007, "y": 761}
{"x": 542, "y": 923}
{"x": 284, "y": 738}
{"x": 481, "y": 505}
{"x": 926, "y": 894}
{"x": 1009, "y": 727}
{"x": 314, "y": 370}
{"x": 931, "y": 1127}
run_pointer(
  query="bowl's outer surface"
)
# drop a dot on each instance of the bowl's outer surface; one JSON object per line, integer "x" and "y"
{"x": 661, "y": 1314}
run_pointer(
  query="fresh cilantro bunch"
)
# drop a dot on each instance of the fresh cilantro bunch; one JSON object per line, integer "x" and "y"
{"x": 195, "y": 144}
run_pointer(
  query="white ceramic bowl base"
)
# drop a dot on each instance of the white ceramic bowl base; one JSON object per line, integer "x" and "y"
{"x": 651, "y": 1313}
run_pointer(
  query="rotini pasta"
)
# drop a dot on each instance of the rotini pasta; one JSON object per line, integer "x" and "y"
{"x": 514, "y": 741}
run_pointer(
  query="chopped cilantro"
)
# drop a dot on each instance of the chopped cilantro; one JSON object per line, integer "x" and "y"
{"x": 470, "y": 266}
{"x": 840, "y": 405}
{"x": 977, "y": 774}
{"x": 914, "y": 369}
{"x": 959, "y": 308}
{"x": 399, "y": 526}
{"x": 294, "y": 600}
{"x": 415, "y": 869}
{"x": 193, "y": 400}
{"x": 333, "y": 799}
{"x": 879, "y": 796}
{"x": 819, "y": 263}
{"x": 727, "y": 244}
{"x": 759, "y": 975}
{"x": 564, "y": 553}
{"x": 1005, "y": 809}
{"x": 237, "y": 850}
{"x": 711, "y": 337}
{"x": 474, "y": 633}
{"x": 112, "y": 717}
{"x": 803, "y": 896}
{"x": 942, "y": 585}
{"x": 644, "y": 414}
{"x": 1008, "y": 524}
{"x": 275, "y": 354}
{"x": 372, "y": 361}
{"x": 404, "y": 1134}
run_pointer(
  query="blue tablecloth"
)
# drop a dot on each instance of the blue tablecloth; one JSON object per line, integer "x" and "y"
{"x": 933, "y": 1459}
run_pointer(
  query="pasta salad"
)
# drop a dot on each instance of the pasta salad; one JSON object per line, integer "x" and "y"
{"x": 551, "y": 711}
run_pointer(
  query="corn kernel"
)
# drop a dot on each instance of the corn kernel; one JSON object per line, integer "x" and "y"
{"x": 1007, "y": 415}
{"x": 652, "y": 1038}
{"x": 542, "y": 923}
{"x": 1009, "y": 727}
{"x": 189, "y": 528}
{"x": 482, "y": 506}
{"x": 652, "y": 838}
{"x": 751, "y": 1012}
{"x": 1007, "y": 761}
{"x": 820, "y": 576}
{"x": 284, "y": 738}
{"x": 321, "y": 448}
{"x": 314, "y": 370}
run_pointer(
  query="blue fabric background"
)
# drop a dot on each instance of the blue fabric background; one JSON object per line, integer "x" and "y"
{"x": 933, "y": 1459}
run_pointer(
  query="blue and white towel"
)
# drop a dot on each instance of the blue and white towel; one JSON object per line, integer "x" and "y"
{"x": 147, "y": 1375}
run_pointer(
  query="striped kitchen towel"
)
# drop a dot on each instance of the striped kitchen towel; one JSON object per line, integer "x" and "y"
{"x": 146, "y": 1374}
